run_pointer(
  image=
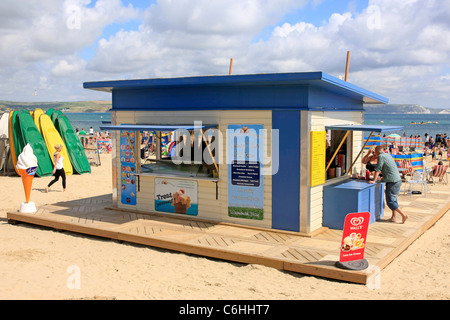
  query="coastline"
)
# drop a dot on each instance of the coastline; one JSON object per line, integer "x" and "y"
{"x": 93, "y": 106}
{"x": 105, "y": 105}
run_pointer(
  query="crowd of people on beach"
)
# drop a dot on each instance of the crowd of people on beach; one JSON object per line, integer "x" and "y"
{"x": 436, "y": 147}
{"x": 95, "y": 139}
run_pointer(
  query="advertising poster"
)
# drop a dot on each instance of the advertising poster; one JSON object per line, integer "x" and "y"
{"x": 354, "y": 236}
{"x": 128, "y": 168}
{"x": 176, "y": 196}
{"x": 318, "y": 153}
{"x": 245, "y": 171}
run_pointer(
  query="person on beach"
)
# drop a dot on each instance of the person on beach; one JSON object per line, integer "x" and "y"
{"x": 386, "y": 165}
{"x": 83, "y": 138}
{"x": 370, "y": 160}
{"x": 58, "y": 169}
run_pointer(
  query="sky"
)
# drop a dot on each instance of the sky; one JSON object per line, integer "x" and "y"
{"x": 399, "y": 49}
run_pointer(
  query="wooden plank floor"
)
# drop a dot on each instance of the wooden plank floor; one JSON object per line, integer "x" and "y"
{"x": 282, "y": 250}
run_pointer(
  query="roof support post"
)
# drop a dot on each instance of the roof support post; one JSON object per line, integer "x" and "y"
{"x": 354, "y": 161}
{"x": 337, "y": 150}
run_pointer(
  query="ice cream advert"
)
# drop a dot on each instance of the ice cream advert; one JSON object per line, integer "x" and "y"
{"x": 176, "y": 196}
{"x": 354, "y": 237}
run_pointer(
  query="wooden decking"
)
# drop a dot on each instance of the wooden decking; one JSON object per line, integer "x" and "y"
{"x": 289, "y": 251}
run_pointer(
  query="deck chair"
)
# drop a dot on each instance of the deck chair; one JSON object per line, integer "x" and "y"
{"x": 418, "y": 178}
{"x": 406, "y": 164}
{"x": 439, "y": 173}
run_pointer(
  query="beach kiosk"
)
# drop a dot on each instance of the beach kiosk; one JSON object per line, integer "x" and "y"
{"x": 273, "y": 151}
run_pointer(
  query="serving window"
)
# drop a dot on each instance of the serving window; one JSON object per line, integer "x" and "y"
{"x": 340, "y": 145}
{"x": 189, "y": 153}
{"x": 338, "y": 153}
{"x": 169, "y": 150}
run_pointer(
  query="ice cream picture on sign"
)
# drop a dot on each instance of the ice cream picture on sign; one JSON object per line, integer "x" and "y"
{"x": 353, "y": 242}
{"x": 181, "y": 201}
{"x": 354, "y": 236}
{"x": 27, "y": 166}
{"x": 176, "y": 196}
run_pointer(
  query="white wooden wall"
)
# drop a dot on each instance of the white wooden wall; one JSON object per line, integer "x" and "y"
{"x": 208, "y": 206}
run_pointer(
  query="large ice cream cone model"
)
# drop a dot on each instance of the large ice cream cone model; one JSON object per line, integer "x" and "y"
{"x": 27, "y": 166}
{"x": 27, "y": 180}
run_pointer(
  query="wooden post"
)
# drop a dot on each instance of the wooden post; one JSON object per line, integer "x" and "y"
{"x": 337, "y": 150}
{"x": 347, "y": 65}
{"x": 362, "y": 149}
{"x": 231, "y": 67}
{"x": 158, "y": 144}
{"x": 209, "y": 150}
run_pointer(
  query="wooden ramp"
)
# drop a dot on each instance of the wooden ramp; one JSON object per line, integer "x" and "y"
{"x": 289, "y": 251}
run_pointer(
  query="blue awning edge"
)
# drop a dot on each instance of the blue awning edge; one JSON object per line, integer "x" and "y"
{"x": 371, "y": 128}
{"x": 155, "y": 127}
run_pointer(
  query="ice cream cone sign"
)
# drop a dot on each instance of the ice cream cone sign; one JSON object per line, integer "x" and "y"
{"x": 27, "y": 166}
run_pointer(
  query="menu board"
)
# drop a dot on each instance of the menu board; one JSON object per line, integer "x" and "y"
{"x": 128, "y": 167}
{"x": 318, "y": 153}
{"x": 245, "y": 171}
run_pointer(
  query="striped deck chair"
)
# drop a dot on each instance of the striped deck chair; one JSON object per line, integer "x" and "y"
{"x": 406, "y": 164}
{"x": 440, "y": 173}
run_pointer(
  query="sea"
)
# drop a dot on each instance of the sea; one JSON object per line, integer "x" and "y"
{"x": 85, "y": 120}
{"x": 96, "y": 120}
{"x": 432, "y": 123}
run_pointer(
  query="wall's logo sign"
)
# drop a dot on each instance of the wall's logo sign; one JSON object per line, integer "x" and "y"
{"x": 354, "y": 236}
{"x": 357, "y": 221}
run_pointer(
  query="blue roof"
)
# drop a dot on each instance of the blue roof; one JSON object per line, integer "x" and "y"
{"x": 319, "y": 80}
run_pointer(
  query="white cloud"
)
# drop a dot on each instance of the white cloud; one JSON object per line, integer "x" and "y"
{"x": 44, "y": 37}
{"x": 65, "y": 68}
{"x": 229, "y": 17}
{"x": 188, "y": 36}
{"x": 398, "y": 47}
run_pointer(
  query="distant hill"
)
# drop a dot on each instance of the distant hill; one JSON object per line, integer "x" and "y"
{"x": 72, "y": 106}
{"x": 402, "y": 108}
{"x": 105, "y": 106}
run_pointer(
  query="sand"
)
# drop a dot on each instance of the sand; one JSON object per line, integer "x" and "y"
{"x": 41, "y": 263}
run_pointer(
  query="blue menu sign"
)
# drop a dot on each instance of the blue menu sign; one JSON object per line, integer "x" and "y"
{"x": 245, "y": 178}
{"x": 245, "y": 174}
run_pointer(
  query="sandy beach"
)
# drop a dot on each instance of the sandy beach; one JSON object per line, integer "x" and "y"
{"x": 38, "y": 262}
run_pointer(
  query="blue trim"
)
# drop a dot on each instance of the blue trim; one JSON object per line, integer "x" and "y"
{"x": 211, "y": 98}
{"x": 155, "y": 127}
{"x": 236, "y": 108}
{"x": 373, "y": 128}
{"x": 286, "y": 182}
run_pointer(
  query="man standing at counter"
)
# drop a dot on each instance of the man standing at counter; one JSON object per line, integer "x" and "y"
{"x": 386, "y": 165}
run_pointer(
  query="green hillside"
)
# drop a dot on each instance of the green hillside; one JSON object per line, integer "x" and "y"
{"x": 71, "y": 106}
